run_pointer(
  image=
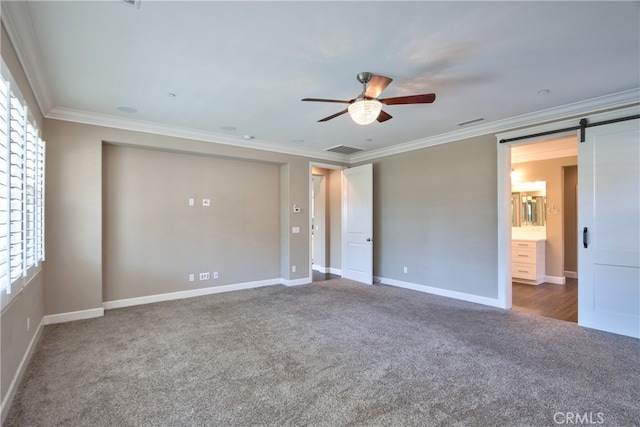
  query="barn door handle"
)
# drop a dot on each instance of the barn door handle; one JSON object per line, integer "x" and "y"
{"x": 585, "y": 233}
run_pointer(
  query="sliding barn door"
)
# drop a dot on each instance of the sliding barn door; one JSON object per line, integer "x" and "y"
{"x": 357, "y": 224}
{"x": 609, "y": 227}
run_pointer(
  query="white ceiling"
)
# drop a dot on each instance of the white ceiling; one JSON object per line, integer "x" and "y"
{"x": 247, "y": 65}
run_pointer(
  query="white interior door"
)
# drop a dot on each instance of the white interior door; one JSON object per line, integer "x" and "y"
{"x": 357, "y": 224}
{"x": 609, "y": 227}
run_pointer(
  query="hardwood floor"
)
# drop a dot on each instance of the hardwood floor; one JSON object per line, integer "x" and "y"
{"x": 548, "y": 300}
{"x": 319, "y": 277}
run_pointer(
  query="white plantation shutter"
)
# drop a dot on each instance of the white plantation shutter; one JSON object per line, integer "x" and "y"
{"x": 40, "y": 201}
{"x": 18, "y": 120}
{"x": 4, "y": 187}
{"x": 22, "y": 164}
{"x": 30, "y": 161}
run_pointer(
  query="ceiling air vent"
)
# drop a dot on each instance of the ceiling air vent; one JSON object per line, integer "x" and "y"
{"x": 343, "y": 149}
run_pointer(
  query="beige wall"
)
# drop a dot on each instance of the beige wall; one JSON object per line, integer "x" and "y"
{"x": 153, "y": 239}
{"x": 551, "y": 171}
{"x": 435, "y": 212}
{"x": 73, "y": 221}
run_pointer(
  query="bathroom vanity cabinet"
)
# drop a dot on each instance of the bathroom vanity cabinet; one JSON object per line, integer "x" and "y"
{"x": 527, "y": 261}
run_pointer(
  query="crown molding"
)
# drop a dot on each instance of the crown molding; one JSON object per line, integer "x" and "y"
{"x": 105, "y": 120}
{"x": 589, "y": 106}
{"x": 16, "y": 20}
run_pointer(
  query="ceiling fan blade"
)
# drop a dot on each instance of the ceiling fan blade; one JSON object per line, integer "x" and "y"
{"x": 327, "y": 100}
{"x": 333, "y": 116}
{"x": 384, "y": 116}
{"x": 376, "y": 85}
{"x": 411, "y": 99}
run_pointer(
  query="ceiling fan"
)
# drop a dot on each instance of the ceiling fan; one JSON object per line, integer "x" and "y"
{"x": 366, "y": 107}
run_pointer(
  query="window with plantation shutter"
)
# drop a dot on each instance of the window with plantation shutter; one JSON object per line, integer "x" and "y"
{"x": 22, "y": 177}
{"x": 4, "y": 186}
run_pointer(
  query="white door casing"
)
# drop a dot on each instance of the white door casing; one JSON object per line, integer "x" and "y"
{"x": 609, "y": 224}
{"x": 357, "y": 224}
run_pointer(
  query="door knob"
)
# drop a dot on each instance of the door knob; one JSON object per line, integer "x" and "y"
{"x": 369, "y": 239}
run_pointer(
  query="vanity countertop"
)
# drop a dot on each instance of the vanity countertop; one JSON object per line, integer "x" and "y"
{"x": 530, "y": 239}
{"x": 531, "y": 234}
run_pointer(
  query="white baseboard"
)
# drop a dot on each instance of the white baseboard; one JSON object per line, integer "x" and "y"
{"x": 108, "y": 305}
{"x": 493, "y": 302}
{"x": 296, "y": 282}
{"x": 320, "y": 268}
{"x": 555, "y": 280}
{"x": 73, "y": 315}
{"x": 149, "y": 299}
{"x": 571, "y": 274}
{"x": 327, "y": 270}
{"x": 13, "y": 387}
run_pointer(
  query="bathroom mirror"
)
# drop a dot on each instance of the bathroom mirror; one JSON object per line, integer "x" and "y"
{"x": 528, "y": 204}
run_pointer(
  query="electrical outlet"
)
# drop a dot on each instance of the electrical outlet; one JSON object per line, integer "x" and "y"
{"x": 293, "y": 268}
{"x": 406, "y": 270}
{"x": 204, "y": 276}
{"x": 192, "y": 277}
{"x": 215, "y": 274}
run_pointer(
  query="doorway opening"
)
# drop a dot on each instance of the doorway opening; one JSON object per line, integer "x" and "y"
{"x": 326, "y": 225}
{"x": 608, "y": 268}
{"x": 543, "y": 243}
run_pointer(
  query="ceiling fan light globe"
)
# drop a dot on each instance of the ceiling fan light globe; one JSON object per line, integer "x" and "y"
{"x": 365, "y": 111}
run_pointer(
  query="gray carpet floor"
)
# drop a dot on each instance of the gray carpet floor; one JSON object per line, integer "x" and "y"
{"x": 329, "y": 354}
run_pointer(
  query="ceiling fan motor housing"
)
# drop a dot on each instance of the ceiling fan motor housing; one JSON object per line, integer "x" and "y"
{"x": 364, "y": 77}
